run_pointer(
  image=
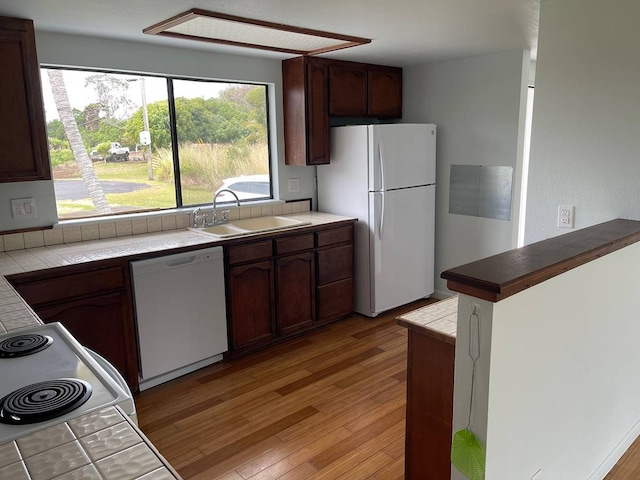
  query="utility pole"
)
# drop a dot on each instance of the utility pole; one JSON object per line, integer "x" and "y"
{"x": 145, "y": 118}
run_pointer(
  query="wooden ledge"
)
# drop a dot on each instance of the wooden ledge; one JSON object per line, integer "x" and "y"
{"x": 500, "y": 276}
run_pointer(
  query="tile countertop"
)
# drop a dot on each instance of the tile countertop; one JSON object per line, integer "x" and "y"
{"x": 438, "y": 320}
{"x": 19, "y": 261}
{"x": 102, "y": 445}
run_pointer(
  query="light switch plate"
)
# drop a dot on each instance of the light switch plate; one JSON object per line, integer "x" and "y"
{"x": 23, "y": 207}
{"x": 294, "y": 185}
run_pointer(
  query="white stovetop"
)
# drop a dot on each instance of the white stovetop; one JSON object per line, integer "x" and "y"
{"x": 64, "y": 358}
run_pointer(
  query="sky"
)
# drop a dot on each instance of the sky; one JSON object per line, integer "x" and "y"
{"x": 155, "y": 88}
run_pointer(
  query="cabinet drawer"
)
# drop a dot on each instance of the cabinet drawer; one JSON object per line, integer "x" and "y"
{"x": 335, "y": 264}
{"x": 337, "y": 235}
{"x": 299, "y": 243}
{"x": 64, "y": 287}
{"x": 335, "y": 300}
{"x": 247, "y": 253}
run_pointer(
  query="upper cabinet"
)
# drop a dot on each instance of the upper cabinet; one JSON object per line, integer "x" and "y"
{"x": 316, "y": 88}
{"x": 360, "y": 90}
{"x": 348, "y": 90}
{"x": 306, "y": 112}
{"x": 384, "y": 92}
{"x": 23, "y": 137}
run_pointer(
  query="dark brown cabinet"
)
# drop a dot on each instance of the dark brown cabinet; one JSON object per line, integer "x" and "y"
{"x": 306, "y": 118}
{"x": 295, "y": 282}
{"x": 384, "y": 92}
{"x": 335, "y": 273}
{"x": 94, "y": 303}
{"x": 296, "y": 292}
{"x": 362, "y": 90}
{"x": 430, "y": 371}
{"x": 348, "y": 90}
{"x": 23, "y": 141}
{"x": 315, "y": 88}
{"x": 251, "y": 304}
{"x": 288, "y": 284}
{"x": 250, "y": 294}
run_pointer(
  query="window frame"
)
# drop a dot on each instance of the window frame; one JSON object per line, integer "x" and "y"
{"x": 174, "y": 135}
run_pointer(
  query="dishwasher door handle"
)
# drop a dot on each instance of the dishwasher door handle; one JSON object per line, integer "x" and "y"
{"x": 179, "y": 262}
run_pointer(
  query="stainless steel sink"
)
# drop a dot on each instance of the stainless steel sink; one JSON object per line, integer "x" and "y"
{"x": 247, "y": 226}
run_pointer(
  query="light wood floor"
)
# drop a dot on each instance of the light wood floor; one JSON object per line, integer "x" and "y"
{"x": 327, "y": 405}
{"x": 628, "y": 468}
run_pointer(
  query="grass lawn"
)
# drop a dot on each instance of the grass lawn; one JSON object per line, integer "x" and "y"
{"x": 160, "y": 194}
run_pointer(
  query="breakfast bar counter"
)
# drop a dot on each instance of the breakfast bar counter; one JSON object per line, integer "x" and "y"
{"x": 554, "y": 328}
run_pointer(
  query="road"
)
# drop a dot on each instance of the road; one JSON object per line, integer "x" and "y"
{"x": 76, "y": 190}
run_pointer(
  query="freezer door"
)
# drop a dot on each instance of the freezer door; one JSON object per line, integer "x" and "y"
{"x": 401, "y": 246}
{"x": 401, "y": 155}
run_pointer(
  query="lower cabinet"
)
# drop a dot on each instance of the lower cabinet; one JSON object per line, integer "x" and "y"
{"x": 93, "y": 304}
{"x": 251, "y": 304}
{"x": 296, "y": 292}
{"x": 287, "y": 285}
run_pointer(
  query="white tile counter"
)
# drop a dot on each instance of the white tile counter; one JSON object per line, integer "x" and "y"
{"x": 102, "y": 445}
{"x": 40, "y": 258}
{"x": 438, "y": 320}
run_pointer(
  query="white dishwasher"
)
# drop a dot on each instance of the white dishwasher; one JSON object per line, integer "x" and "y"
{"x": 180, "y": 312}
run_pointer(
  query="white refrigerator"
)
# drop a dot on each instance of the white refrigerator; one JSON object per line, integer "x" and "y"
{"x": 385, "y": 176}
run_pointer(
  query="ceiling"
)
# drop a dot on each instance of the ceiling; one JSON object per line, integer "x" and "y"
{"x": 403, "y": 32}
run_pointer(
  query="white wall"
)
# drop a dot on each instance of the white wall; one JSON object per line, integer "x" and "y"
{"x": 478, "y": 104}
{"x": 562, "y": 393}
{"x": 586, "y": 119}
{"x": 77, "y": 51}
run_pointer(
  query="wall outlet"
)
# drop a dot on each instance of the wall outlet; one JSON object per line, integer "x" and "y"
{"x": 294, "y": 185}
{"x": 565, "y": 216}
{"x": 23, "y": 207}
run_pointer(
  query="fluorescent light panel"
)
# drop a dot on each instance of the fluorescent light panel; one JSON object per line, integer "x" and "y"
{"x": 206, "y": 26}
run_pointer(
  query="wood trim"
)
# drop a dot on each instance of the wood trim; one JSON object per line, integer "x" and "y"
{"x": 500, "y": 276}
{"x": 161, "y": 27}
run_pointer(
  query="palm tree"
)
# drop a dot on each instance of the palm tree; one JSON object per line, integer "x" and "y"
{"x": 59, "y": 90}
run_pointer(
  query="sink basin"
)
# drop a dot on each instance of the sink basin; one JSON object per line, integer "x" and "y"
{"x": 247, "y": 226}
{"x": 267, "y": 223}
{"x": 223, "y": 230}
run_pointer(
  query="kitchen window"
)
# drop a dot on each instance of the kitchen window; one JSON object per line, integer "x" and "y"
{"x": 123, "y": 143}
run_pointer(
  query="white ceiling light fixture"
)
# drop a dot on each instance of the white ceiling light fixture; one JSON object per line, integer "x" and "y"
{"x": 206, "y": 26}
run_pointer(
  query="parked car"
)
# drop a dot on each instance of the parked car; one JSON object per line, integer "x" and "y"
{"x": 117, "y": 153}
{"x": 247, "y": 187}
{"x": 95, "y": 156}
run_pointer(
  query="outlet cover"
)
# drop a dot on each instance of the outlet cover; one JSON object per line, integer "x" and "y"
{"x": 566, "y": 215}
{"x": 23, "y": 208}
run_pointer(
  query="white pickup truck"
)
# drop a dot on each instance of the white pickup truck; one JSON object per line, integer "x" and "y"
{"x": 117, "y": 153}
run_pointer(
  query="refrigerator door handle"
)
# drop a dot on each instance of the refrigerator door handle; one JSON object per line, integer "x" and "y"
{"x": 381, "y": 161}
{"x": 381, "y": 216}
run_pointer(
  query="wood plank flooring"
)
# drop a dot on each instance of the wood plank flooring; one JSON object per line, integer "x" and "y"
{"x": 628, "y": 467}
{"x": 326, "y": 405}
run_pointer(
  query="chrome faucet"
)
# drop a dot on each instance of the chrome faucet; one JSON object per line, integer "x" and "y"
{"x": 225, "y": 213}
{"x": 199, "y": 217}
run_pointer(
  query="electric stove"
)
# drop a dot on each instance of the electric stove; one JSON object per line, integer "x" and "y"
{"x": 47, "y": 377}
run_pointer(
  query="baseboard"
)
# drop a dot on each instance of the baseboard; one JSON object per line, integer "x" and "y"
{"x": 440, "y": 295}
{"x": 616, "y": 454}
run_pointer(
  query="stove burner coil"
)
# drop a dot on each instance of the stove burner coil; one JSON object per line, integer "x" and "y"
{"x": 43, "y": 401}
{"x": 22, "y": 345}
